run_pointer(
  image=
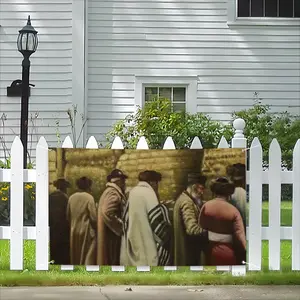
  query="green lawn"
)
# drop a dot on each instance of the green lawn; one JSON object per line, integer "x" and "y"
{"x": 157, "y": 276}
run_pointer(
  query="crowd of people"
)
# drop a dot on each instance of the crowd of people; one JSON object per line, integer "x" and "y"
{"x": 134, "y": 228}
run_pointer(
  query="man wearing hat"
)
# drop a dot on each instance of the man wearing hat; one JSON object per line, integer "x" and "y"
{"x": 59, "y": 226}
{"x": 110, "y": 226}
{"x": 147, "y": 228}
{"x": 187, "y": 232}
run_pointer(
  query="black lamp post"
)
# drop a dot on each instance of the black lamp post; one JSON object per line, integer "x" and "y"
{"x": 27, "y": 44}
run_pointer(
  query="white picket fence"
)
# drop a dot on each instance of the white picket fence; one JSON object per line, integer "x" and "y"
{"x": 256, "y": 176}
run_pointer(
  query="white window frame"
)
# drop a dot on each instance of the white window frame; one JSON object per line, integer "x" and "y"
{"x": 234, "y": 20}
{"x": 190, "y": 83}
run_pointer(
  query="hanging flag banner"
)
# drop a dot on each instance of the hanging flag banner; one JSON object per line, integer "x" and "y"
{"x": 147, "y": 207}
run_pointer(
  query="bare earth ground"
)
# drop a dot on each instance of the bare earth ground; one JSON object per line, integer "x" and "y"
{"x": 152, "y": 292}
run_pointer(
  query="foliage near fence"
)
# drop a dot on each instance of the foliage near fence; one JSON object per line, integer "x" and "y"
{"x": 256, "y": 176}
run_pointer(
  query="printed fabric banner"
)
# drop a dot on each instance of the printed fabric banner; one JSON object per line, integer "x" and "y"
{"x": 147, "y": 207}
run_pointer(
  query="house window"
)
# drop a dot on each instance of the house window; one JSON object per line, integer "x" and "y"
{"x": 177, "y": 95}
{"x": 269, "y": 8}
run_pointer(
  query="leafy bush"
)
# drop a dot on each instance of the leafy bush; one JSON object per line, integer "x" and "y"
{"x": 156, "y": 121}
{"x": 261, "y": 123}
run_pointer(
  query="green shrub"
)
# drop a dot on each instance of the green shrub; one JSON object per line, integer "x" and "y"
{"x": 261, "y": 123}
{"x": 156, "y": 121}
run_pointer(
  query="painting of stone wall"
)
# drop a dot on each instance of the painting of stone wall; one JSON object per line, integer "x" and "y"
{"x": 146, "y": 207}
{"x": 215, "y": 162}
{"x": 174, "y": 166}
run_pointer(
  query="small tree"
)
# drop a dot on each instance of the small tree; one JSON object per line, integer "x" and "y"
{"x": 262, "y": 123}
{"x": 156, "y": 121}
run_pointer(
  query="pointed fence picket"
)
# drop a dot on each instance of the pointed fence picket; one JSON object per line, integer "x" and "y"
{"x": 255, "y": 206}
{"x": 275, "y": 176}
{"x": 274, "y": 205}
{"x": 296, "y": 208}
{"x": 16, "y": 206}
{"x": 42, "y": 210}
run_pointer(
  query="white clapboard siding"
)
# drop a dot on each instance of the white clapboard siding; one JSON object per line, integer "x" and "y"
{"x": 256, "y": 176}
{"x": 274, "y": 205}
{"x": 296, "y": 208}
{"x": 255, "y": 206}
{"x": 50, "y": 71}
{"x": 175, "y": 39}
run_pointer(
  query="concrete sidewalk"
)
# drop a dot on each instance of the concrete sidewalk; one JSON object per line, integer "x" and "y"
{"x": 152, "y": 293}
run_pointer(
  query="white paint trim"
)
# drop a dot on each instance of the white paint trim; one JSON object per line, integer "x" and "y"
{"x": 78, "y": 61}
{"x": 86, "y": 69}
{"x": 234, "y": 20}
{"x": 190, "y": 82}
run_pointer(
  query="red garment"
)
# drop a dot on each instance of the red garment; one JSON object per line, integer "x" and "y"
{"x": 219, "y": 216}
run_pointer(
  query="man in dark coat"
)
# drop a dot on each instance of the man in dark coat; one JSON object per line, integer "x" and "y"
{"x": 59, "y": 226}
{"x": 110, "y": 226}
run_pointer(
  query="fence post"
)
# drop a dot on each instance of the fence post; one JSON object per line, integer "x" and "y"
{"x": 16, "y": 205}
{"x": 42, "y": 206}
{"x": 239, "y": 141}
{"x": 296, "y": 209}
{"x": 274, "y": 205}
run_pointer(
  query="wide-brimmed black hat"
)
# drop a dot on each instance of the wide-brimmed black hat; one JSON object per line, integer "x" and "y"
{"x": 61, "y": 183}
{"x": 84, "y": 183}
{"x": 150, "y": 176}
{"x": 116, "y": 173}
{"x": 222, "y": 186}
{"x": 196, "y": 178}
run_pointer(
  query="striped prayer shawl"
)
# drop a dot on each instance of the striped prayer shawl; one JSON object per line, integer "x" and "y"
{"x": 162, "y": 231}
{"x": 161, "y": 228}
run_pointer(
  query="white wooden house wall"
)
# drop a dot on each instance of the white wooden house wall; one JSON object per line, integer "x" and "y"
{"x": 98, "y": 54}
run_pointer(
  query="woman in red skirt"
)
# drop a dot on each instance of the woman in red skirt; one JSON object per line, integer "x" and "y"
{"x": 226, "y": 234}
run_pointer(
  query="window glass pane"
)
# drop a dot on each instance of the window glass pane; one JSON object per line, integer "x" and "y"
{"x": 271, "y": 8}
{"x": 243, "y": 8}
{"x": 178, "y": 107}
{"x": 286, "y": 8}
{"x": 165, "y": 92}
{"x": 178, "y": 94}
{"x": 297, "y": 8}
{"x": 150, "y": 93}
{"x": 257, "y": 8}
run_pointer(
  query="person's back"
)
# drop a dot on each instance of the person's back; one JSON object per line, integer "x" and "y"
{"x": 82, "y": 218}
{"x": 78, "y": 209}
{"x": 59, "y": 228}
{"x": 226, "y": 234}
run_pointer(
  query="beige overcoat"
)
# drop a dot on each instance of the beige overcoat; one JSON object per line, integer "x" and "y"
{"x": 81, "y": 213}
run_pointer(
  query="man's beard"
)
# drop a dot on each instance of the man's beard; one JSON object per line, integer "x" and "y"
{"x": 197, "y": 196}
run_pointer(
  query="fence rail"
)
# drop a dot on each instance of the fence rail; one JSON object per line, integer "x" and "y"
{"x": 255, "y": 177}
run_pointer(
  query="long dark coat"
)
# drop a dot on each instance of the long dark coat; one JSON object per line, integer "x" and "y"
{"x": 59, "y": 228}
{"x": 110, "y": 227}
